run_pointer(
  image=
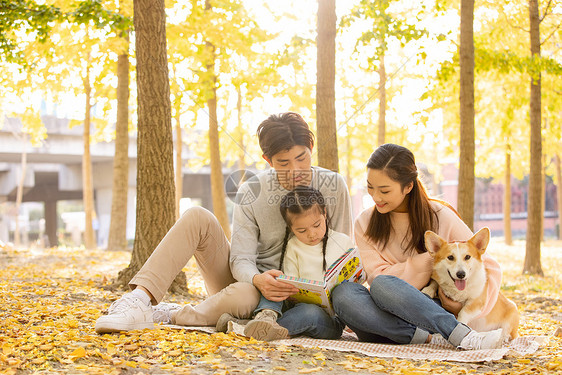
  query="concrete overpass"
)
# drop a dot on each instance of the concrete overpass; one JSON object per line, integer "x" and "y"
{"x": 54, "y": 173}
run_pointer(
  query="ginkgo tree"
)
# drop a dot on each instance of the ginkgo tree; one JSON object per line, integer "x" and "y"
{"x": 27, "y": 19}
{"x": 75, "y": 59}
{"x": 387, "y": 25}
{"x": 216, "y": 35}
{"x": 117, "y": 238}
{"x": 325, "y": 85}
{"x": 32, "y": 132}
{"x": 48, "y": 71}
{"x": 503, "y": 64}
{"x": 184, "y": 116}
{"x": 19, "y": 19}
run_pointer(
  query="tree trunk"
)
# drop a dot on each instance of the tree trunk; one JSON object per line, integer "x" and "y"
{"x": 217, "y": 180}
{"x": 466, "y": 162}
{"x": 19, "y": 194}
{"x": 382, "y": 102}
{"x": 87, "y": 186}
{"x": 325, "y": 86}
{"x": 559, "y": 192}
{"x": 240, "y": 126}
{"x": 179, "y": 165}
{"x": 507, "y": 197}
{"x": 533, "y": 244}
{"x": 155, "y": 171}
{"x": 543, "y": 191}
{"x": 436, "y": 180}
{"x": 118, "y": 225}
{"x": 348, "y": 158}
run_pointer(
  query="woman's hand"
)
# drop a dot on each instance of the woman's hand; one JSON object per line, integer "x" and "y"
{"x": 448, "y": 304}
{"x": 271, "y": 288}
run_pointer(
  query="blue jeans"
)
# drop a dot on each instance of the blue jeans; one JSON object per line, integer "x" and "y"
{"x": 394, "y": 311}
{"x": 304, "y": 319}
{"x": 271, "y": 305}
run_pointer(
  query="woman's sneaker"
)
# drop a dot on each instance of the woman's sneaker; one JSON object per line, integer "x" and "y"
{"x": 126, "y": 314}
{"x": 482, "y": 340}
{"x": 437, "y": 339}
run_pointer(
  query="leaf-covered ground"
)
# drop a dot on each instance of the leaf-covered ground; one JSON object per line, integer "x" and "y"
{"x": 50, "y": 299}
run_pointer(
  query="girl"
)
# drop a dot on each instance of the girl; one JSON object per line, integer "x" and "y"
{"x": 390, "y": 238}
{"x": 309, "y": 247}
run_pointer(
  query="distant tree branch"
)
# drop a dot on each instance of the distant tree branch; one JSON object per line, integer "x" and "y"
{"x": 512, "y": 25}
{"x": 545, "y": 11}
{"x": 93, "y": 10}
{"x": 551, "y": 34}
{"x": 15, "y": 14}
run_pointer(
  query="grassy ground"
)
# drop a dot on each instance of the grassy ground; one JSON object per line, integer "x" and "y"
{"x": 50, "y": 299}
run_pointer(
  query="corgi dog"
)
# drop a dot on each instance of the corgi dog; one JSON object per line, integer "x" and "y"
{"x": 459, "y": 270}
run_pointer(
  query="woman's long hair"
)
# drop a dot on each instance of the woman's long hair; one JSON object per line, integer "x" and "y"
{"x": 399, "y": 164}
{"x": 299, "y": 201}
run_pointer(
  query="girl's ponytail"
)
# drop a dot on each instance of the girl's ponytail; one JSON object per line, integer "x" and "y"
{"x": 284, "y": 248}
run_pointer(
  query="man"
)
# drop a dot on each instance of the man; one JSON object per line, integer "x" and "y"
{"x": 234, "y": 274}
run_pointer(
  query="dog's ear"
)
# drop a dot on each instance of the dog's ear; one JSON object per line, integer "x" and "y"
{"x": 433, "y": 242}
{"x": 481, "y": 239}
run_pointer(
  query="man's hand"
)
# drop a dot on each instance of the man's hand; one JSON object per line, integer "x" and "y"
{"x": 448, "y": 304}
{"x": 272, "y": 289}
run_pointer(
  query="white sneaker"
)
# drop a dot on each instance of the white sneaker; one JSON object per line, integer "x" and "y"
{"x": 437, "y": 339}
{"x": 126, "y": 314}
{"x": 482, "y": 340}
{"x": 162, "y": 313}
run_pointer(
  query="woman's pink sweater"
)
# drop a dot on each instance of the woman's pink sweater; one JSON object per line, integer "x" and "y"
{"x": 412, "y": 267}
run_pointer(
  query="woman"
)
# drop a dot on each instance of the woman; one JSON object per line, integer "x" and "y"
{"x": 390, "y": 239}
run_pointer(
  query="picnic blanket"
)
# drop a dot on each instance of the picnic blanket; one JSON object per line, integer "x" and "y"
{"x": 442, "y": 352}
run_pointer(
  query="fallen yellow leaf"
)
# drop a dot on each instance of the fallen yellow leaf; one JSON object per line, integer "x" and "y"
{"x": 310, "y": 370}
{"x": 111, "y": 349}
{"x": 240, "y": 354}
{"x": 7, "y": 349}
{"x": 320, "y": 356}
{"x": 77, "y": 353}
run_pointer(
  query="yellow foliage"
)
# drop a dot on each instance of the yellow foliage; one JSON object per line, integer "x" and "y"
{"x": 51, "y": 299}
{"x": 310, "y": 370}
{"x": 78, "y": 353}
{"x": 320, "y": 356}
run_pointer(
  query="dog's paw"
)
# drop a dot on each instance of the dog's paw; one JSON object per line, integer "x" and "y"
{"x": 429, "y": 291}
{"x": 464, "y": 317}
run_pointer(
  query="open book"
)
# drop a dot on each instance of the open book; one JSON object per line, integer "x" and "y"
{"x": 346, "y": 268}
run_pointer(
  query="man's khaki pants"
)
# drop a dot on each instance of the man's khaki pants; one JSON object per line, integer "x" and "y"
{"x": 198, "y": 233}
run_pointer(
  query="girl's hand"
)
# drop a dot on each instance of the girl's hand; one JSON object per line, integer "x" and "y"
{"x": 448, "y": 304}
{"x": 271, "y": 288}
